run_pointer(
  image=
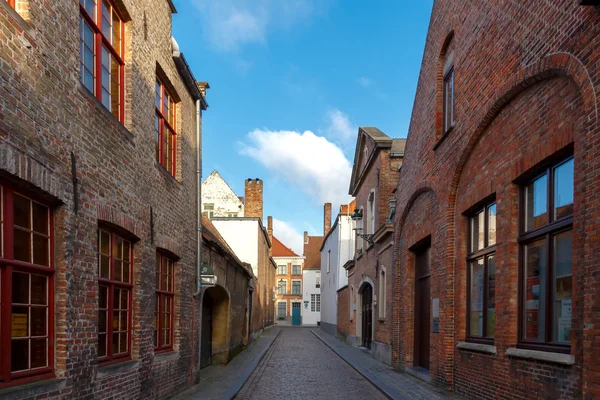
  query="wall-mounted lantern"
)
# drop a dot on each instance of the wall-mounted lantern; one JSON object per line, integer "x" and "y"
{"x": 207, "y": 275}
{"x": 357, "y": 216}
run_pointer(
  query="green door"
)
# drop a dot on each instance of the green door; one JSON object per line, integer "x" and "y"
{"x": 296, "y": 320}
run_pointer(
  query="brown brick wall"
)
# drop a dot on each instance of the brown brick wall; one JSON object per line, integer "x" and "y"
{"x": 526, "y": 80}
{"x": 45, "y": 114}
{"x": 253, "y": 197}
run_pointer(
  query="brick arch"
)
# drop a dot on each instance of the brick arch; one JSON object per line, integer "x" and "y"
{"x": 220, "y": 299}
{"x": 558, "y": 65}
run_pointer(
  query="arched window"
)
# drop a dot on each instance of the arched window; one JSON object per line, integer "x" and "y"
{"x": 371, "y": 213}
{"x": 382, "y": 293}
{"x": 446, "y": 86}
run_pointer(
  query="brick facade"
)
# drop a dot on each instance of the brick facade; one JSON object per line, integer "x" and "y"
{"x": 47, "y": 117}
{"x": 526, "y": 83}
{"x": 374, "y": 177}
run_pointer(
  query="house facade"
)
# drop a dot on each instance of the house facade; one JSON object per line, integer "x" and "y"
{"x": 218, "y": 199}
{"x": 496, "y": 227}
{"x": 98, "y": 194}
{"x": 288, "y": 284}
{"x": 312, "y": 262}
{"x": 377, "y": 161}
{"x": 251, "y": 242}
{"x": 336, "y": 250}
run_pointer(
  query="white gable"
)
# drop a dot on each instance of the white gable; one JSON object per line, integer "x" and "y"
{"x": 224, "y": 201}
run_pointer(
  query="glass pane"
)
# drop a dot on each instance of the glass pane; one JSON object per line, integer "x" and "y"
{"x": 22, "y": 211}
{"x": 563, "y": 190}
{"x": 126, "y": 277}
{"x": 476, "y": 303}
{"x": 124, "y": 299}
{"x": 157, "y": 137}
{"x": 19, "y": 355}
{"x": 123, "y": 321}
{"x": 90, "y": 7}
{"x": 491, "y": 225}
{"x": 38, "y": 353}
{"x": 157, "y": 87}
{"x": 116, "y": 38}
{"x": 102, "y": 345}
{"x": 491, "y": 296}
{"x": 103, "y": 297}
{"x": 126, "y": 250}
{"x": 118, "y": 247}
{"x": 40, "y": 218}
{"x": 536, "y": 203}
{"x": 123, "y": 342}
{"x": 20, "y": 322}
{"x": 104, "y": 242}
{"x": 38, "y": 321}
{"x": 20, "y": 288}
{"x": 535, "y": 290}
{"x": 38, "y": 290}
{"x": 563, "y": 286}
{"x": 104, "y": 266}
{"x": 118, "y": 270}
{"x": 115, "y": 87}
{"x": 102, "y": 322}
{"x": 22, "y": 245}
{"x": 115, "y": 344}
{"x": 41, "y": 250}
{"x": 477, "y": 232}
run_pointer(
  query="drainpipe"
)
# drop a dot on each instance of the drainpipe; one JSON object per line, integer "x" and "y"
{"x": 198, "y": 200}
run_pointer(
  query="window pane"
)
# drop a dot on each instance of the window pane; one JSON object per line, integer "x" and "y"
{"x": 38, "y": 290}
{"x": 20, "y": 322}
{"x": 563, "y": 286}
{"x": 116, "y": 38}
{"x": 90, "y": 7}
{"x": 20, "y": 288}
{"x": 102, "y": 339}
{"x": 157, "y": 87}
{"x": 535, "y": 290}
{"x": 563, "y": 190}
{"x": 38, "y": 321}
{"x": 22, "y": 211}
{"x": 491, "y": 225}
{"x": 40, "y": 218}
{"x": 38, "y": 353}
{"x": 476, "y": 303}
{"x": 115, "y": 87}
{"x": 41, "y": 249}
{"x": 536, "y": 203}
{"x": 491, "y": 296}
{"x": 106, "y": 20}
{"x": 157, "y": 136}
{"x": 477, "y": 232}
{"x": 19, "y": 355}
{"x": 22, "y": 245}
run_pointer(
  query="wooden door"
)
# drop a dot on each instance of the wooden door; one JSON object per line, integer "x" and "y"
{"x": 422, "y": 307}
{"x": 206, "y": 333}
{"x": 367, "y": 316}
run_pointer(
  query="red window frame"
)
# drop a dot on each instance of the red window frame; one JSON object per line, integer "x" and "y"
{"x": 114, "y": 263}
{"x": 448, "y": 101}
{"x": 98, "y": 24}
{"x": 165, "y": 293}
{"x": 9, "y": 266}
{"x": 165, "y": 123}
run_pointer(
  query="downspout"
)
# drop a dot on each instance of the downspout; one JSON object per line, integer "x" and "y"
{"x": 198, "y": 199}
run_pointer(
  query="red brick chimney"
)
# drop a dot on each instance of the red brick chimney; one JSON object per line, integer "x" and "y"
{"x": 270, "y": 232}
{"x": 254, "y": 198}
{"x": 326, "y": 218}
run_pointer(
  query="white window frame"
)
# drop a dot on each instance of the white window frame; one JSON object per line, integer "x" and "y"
{"x": 292, "y": 287}
{"x": 286, "y": 285}
{"x": 284, "y": 269}
{"x": 371, "y": 212}
{"x": 297, "y": 265}
{"x": 282, "y": 302}
{"x": 315, "y": 302}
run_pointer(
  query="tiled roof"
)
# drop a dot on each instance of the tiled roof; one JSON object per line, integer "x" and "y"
{"x": 281, "y": 250}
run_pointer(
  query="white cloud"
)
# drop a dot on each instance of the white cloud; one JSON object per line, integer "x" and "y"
{"x": 339, "y": 126}
{"x": 364, "y": 81}
{"x": 288, "y": 235}
{"x": 311, "y": 163}
{"x": 229, "y": 24}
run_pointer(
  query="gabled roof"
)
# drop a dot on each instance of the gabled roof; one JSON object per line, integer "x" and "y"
{"x": 379, "y": 140}
{"x": 281, "y": 250}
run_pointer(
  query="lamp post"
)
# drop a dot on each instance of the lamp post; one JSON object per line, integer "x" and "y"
{"x": 357, "y": 216}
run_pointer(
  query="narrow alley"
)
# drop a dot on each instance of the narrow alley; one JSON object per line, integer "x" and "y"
{"x": 299, "y": 366}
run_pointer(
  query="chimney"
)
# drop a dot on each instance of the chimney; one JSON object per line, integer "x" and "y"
{"x": 254, "y": 198}
{"x": 326, "y": 218}
{"x": 305, "y": 237}
{"x": 270, "y": 232}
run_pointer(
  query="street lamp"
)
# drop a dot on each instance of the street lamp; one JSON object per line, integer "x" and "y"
{"x": 207, "y": 275}
{"x": 357, "y": 216}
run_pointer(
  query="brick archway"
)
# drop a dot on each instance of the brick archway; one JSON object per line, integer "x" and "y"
{"x": 218, "y": 298}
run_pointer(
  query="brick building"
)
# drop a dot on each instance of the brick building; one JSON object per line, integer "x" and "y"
{"x": 251, "y": 242}
{"x": 288, "y": 283}
{"x": 496, "y": 230}
{"x": 99, "y": 119}
{"x": 377, "y": 161}
{"x": 226, "y": 307}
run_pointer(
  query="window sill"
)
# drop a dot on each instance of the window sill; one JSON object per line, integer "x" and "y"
{"x": 114, "y": 121}
{"x": 478, "y": 347}
{"x": 166, "y": 355}
{"x": 555, "y": 358}
{"x": 30, "y": 390}
{"x": 443, "y": 137}
{"x": 381, "y": 319}
{"x": 113, "y": 369}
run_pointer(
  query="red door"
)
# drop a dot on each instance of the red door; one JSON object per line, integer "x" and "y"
{"x": 422, "y": 307}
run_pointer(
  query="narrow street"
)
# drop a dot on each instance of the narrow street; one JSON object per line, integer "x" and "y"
{"x": 300, "y": 366}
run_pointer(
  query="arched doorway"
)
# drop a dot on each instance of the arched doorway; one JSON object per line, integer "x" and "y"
{"x": 366, "y": 315}
{"x": 214, "y": 331}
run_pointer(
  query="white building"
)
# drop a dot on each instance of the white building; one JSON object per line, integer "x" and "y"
{"x": 311, "y": 297}
{"x": 218, "y": 199}
{"x": 336, "y": 250}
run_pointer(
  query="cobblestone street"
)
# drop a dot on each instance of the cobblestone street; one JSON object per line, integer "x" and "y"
{"x": 300, "y": 366}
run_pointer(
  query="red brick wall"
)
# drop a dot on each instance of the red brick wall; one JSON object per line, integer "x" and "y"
{"x": 344, "y": 325}
{"x": 45, "y": 115}
{"x": 526, "y": 80}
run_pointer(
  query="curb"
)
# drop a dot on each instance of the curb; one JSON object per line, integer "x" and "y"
{"x": 378, "y": 385}
{"x": 239, "y": 383}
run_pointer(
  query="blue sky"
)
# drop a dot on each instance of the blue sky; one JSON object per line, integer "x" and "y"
{"x": 291, "y": 81}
